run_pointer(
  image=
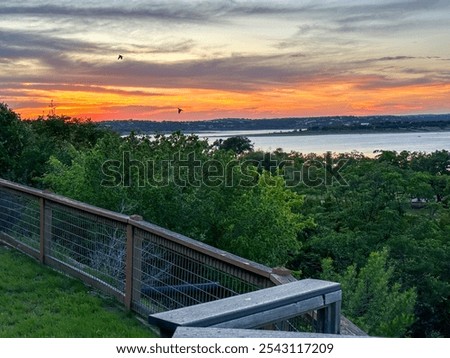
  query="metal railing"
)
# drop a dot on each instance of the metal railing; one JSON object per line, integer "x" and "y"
{"x": 147, "y": 268}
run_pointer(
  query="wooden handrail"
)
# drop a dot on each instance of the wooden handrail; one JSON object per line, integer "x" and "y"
{"x": 260, "y": 308}
{"x": 58, "y": 199}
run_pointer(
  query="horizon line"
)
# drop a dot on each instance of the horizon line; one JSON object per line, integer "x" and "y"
{"x": 271, "y": 118}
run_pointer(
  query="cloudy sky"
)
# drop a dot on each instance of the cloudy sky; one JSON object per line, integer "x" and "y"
{"x": 224, "y": 58}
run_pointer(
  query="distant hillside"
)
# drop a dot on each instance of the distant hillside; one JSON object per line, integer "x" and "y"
{"x": 315, "y": 124}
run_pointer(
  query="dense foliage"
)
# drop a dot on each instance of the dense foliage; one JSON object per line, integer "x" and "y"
{"x": 380, "y": 225}
{"x": 26, "y": 146}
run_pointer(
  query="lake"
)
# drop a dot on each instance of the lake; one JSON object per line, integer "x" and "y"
{"x": 365, "y": 143}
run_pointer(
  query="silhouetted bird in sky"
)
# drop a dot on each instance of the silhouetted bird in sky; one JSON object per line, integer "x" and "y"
{"x": 120, "y": 57}
{"x": 179, "y": 110}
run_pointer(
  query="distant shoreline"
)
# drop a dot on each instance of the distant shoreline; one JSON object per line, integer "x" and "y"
{"x": 289, "y": 126}
{"x": 218, "y": 133}
{"x": 328, "y": 132}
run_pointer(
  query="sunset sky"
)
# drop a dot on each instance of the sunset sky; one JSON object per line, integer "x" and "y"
{"x": 221, "y": 59}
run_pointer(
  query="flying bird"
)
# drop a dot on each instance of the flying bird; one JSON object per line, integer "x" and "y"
{"x": 120, "y": 57}
{"x": 179, "y": 110}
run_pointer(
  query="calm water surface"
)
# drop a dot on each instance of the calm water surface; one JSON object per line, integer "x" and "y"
{"x": 344, "y": 143}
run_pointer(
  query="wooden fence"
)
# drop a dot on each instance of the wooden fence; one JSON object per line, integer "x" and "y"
{"x": 147, "y": 268}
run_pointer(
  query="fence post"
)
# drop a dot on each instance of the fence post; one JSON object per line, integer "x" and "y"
{"x": 129, "y": 262}
{"x": 333, "y": 324}
{"x": 329, "y": 318}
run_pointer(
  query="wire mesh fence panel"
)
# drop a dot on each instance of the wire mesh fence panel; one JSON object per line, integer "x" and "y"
{"x": 87, "y": 242}
{"x": 168, "y": 275}
{"x": 20, "y": 217}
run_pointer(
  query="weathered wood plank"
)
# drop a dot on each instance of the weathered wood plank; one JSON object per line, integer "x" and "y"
{"x": 279, "y": 301}
{"x": 212, "y": 332}
{"x": 349, "y": 328}
{"x": 274, "y": 315}
{"x": 54, "y": 198}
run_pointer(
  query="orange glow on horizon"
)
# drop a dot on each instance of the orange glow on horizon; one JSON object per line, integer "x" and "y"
{"x": 311, "y": 99}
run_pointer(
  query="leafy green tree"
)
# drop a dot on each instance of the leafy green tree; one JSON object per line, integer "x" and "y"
{"x": 236, "y": 144}
{"x": 421, "y": 255}
{"x": 91, "y": 175}
{"x": 26, "y": 146}
{"x": 372, "y": 300}
{"x": 80, "y": 133}
{"x": 436, "y": 163}
{"x": 13, "y": 140}
{"x": 265, "y": 222}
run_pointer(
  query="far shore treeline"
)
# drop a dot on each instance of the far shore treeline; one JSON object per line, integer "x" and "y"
{"x": 380, "y": 226}
{"x": 290, "y": 126}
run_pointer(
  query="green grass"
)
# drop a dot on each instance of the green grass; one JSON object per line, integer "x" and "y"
{"x": 36, "y": 301}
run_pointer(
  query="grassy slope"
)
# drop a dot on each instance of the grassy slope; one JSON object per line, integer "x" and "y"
{"x": 36, "y": 301}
